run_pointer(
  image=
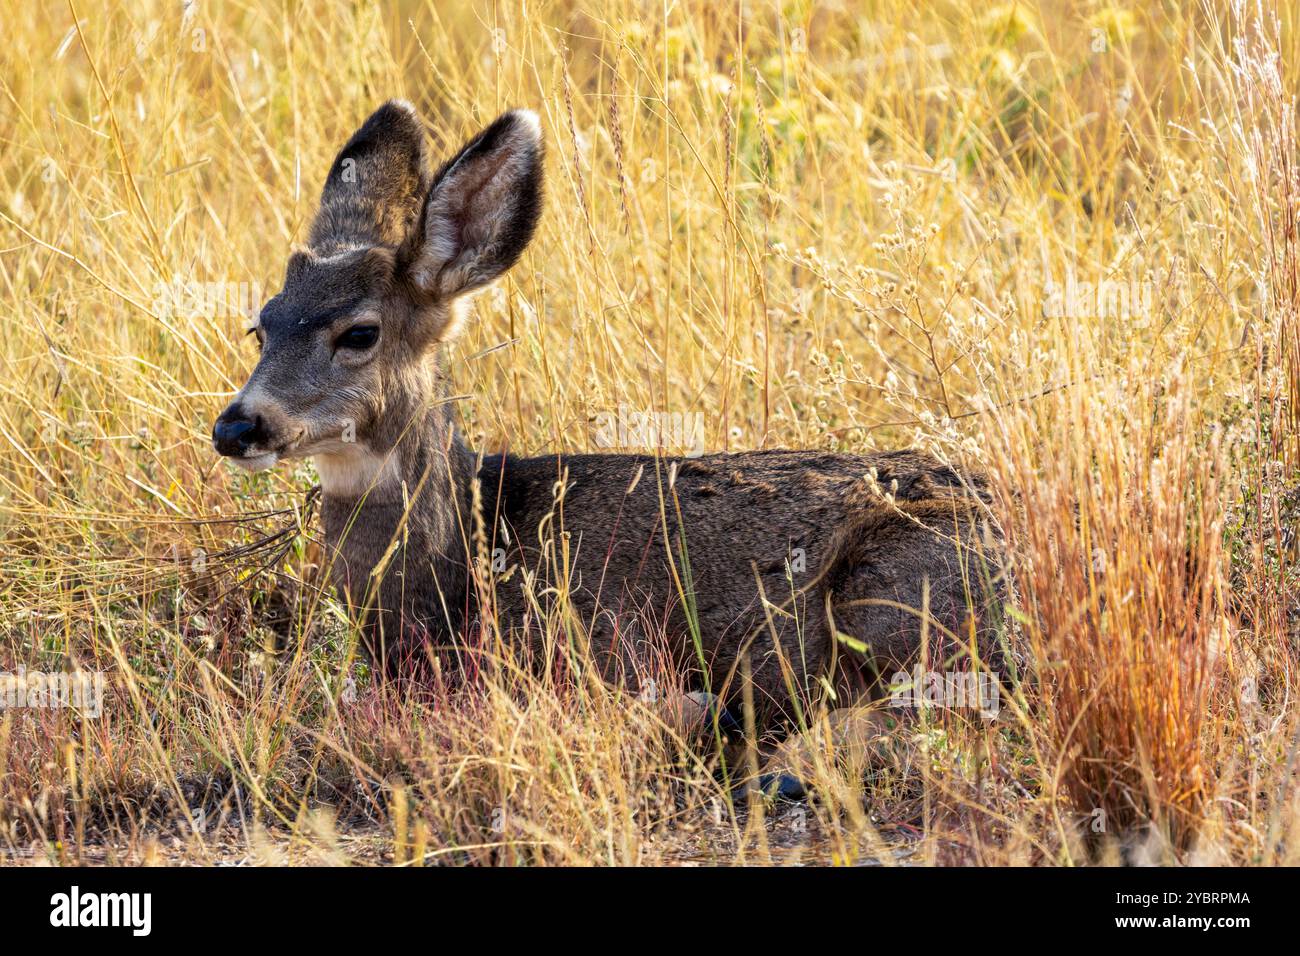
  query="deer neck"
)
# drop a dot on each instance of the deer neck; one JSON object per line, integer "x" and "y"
{"x": 396, "y": 522}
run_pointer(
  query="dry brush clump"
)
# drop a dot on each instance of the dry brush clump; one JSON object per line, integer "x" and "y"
{"x": 1114, "y": 527}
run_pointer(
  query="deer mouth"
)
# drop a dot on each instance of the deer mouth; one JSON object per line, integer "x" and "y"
{"x": 260, "y": 461}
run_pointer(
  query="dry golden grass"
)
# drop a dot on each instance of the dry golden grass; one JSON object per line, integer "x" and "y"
{"x": 832, "y": 225}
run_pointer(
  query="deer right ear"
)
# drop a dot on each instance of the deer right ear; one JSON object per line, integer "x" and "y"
{"x": 482, "y": 209}
{"x": 375, "y": 190}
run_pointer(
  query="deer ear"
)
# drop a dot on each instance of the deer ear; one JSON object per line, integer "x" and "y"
{"x": 375, "y": 190}
{"x": 481, "y": 210}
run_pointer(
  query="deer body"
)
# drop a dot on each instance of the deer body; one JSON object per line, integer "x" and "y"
{"x": 761, "y": 556}
{"x": 747, "y": 521}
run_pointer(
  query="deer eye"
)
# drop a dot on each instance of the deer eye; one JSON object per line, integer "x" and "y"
{"x": 358, "y": 337}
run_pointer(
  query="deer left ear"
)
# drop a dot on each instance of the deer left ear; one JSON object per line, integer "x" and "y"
{"x": 481, "y": 209}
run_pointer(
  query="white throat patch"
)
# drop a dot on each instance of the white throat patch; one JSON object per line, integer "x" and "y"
{"x": 356, "y": 471}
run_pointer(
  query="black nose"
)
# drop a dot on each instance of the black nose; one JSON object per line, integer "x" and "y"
{"x": 233, "y": 434}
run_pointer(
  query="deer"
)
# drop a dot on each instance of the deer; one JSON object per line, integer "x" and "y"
{"x": 697, "y": 548}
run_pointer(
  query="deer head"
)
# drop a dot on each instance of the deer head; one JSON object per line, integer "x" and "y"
{"x": 345, "y": 344}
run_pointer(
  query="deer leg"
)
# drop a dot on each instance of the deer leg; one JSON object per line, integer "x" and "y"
{"x": 693, "y": 713}
{"x": 858, "y": 737}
